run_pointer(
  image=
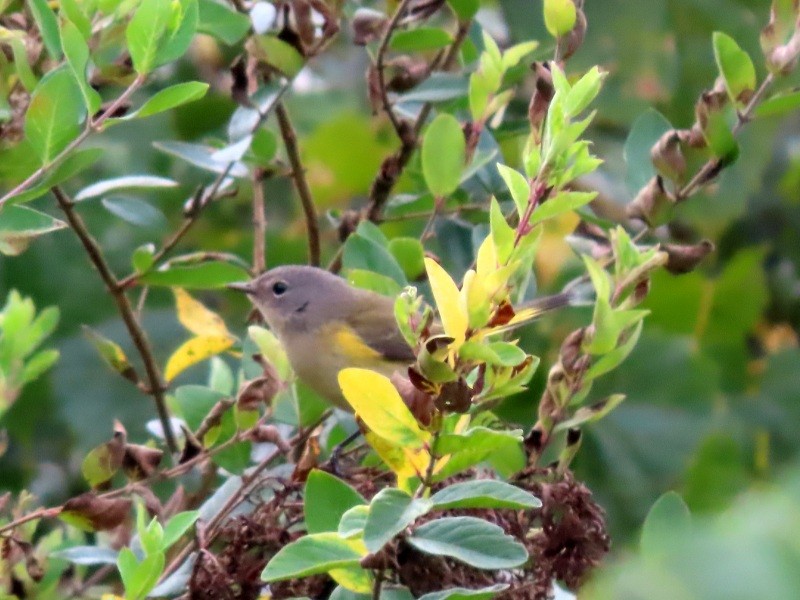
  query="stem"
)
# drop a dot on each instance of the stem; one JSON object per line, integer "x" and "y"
{"x": 259, "y": 224}
{"x": 706, "y": 172}
{"x": 137, "y": 334}
{"x": 380, "y": 57}
{"x": 376, "y": 588}
{"x": 298, "y": 174}
{"x": 92, "y": 125}
{"x": 393, "y": 166}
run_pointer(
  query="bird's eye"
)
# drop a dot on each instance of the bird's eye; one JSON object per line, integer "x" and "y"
{"x": 279, "y": 287}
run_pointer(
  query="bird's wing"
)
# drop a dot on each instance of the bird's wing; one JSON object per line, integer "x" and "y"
{"x": 376, "y": 325}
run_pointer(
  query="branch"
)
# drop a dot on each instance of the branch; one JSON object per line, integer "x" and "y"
{"x": 380, "y": 66}
{"x": 710, "y": 169}
{"x": 393, "y": 166}
{"x": 138, "y": 336}
{"x": 92, "y": 125}
{"x": 298, "y": 175}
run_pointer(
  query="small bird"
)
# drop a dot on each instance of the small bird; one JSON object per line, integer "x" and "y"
{"x": 326, "y": 325}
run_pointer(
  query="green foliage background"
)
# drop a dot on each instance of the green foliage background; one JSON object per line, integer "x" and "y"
{"x": 713, "y": 386}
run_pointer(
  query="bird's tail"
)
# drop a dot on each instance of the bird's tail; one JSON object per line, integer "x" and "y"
{"x": 533, "y": 309}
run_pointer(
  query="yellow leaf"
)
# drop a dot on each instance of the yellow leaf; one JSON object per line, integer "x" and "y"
{"x": 195, "y": 350}
{"x": 476, "y": 299}
{"x": 355, "y": 579}
{"x": 197, "y": 318}
{"x": 486, "y": 261}
{"x": 406, "y": 464}
{"x": 376, "y": 401}
{"x": 445, "y": 292}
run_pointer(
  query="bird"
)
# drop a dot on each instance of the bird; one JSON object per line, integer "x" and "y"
{"x": 325, "y": 325}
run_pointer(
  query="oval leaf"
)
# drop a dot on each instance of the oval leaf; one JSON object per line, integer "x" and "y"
{"x": 376, "y": 401}
{"x": 443, "y": 155}
{"x": 312, "y": 554}
{"x": 484, "y": 493}
{"x": 473, "y": 541}
{"x": 194, "y": 351}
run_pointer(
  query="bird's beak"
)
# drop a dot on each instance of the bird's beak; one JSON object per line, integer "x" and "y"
{"x": 243, "y": 286}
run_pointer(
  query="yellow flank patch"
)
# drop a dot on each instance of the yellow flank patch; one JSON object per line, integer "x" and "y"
{"x": 352, "y": 345}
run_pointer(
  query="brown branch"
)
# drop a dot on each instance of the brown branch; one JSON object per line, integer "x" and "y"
{"x": 92, "y": 125}
{"x": 259, "y": 224}
{"x": 393, "y": 166}
{"x": 137, "y": 334}
{"x": 298, "y": 175}
{"x": 709, "y": 170}
{"x": 380, "y": 66}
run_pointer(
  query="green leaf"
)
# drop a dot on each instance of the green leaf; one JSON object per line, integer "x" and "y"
{"x": 409, "y": 254}
{"x": 583, "y": 92}
{"x": 459, "y": 593}
{"x": 473, "y": 541}
{"x": 264, "y": 146}
{"x": 310, "y": 555}
{"x": 195, "y": 402}
{"x": 177, "y": 526}
{"x": 518, "y": 185}
{"x": 484, "y": 493}
{"x": 169, "y": 98}
{"x": 353, "y": 521}
{"x": 719, "y": 135}
{"x": 559, "y": 16}
{"x": 327, "y": 498}
{"x": 135, "y": 211}
{"x": 278, "y": 54}
{"x": 362, "y": 253}
{"x": 20, "y": 225}
{"x": 222, "y": 22}
{"x": 613, "y": 359}
{"x": 369, "y": 280}
{"x": 72, "y": 165}
{"x": 145, "y": 32}
{"x": 735, "y": 66}
{"x": 391, "y": 511}
{"x": 465, "y": 9}
{"x": 439, "y": 87}
{"x": 129, "y": 182}
{"x": 111, "y": 353}
{"x": 207, "y": 275}
{"x": 503, "y": 234}
{"x": 76, "y": 14}
{"x": 668, "y": 518}
{"x": 180, "y": 31}
{"x": 588, "y": 414}
{"x": 474, "y": 447}
{"x": 55, "y": 113}
{"x": 645, "y": 132}
{"x": 420, "y": 39}
{"x": 202, "y": 157}
{"x": 38, "y": 364}
{"x": 443, "y": 155}
{"x": 562, "y": 203}
{"x": 48, "y": 26}
{"x": 779, "y": 105}
{"x": 77, "y": 52}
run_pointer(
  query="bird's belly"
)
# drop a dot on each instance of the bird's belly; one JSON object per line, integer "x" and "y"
{"x": 318, "y": 364}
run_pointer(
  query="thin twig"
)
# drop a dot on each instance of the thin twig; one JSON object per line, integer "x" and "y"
{"x": 298, "y": 175}
{"x": 259, "y": 224}
{"x": 705, "y": 174}
{"x": 92, "y": 125}
{"x": 380, "y": 66}
{"x": 138, "y": 336}
{"x": 378, "y": 585}
{"x": 393, "y": 166}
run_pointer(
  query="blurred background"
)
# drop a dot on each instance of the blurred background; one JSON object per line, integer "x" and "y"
{"x": 713, "y": 387}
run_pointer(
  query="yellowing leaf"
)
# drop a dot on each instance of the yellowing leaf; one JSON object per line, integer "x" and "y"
{"x": 194, "y": 351}
{"x": 197, "y": 318}
{"x": 445, "y": 292}
{"x": 376, "y": 401}
{"x": 355, "y": 579}
{"x": 487, "y": 257}
{"x": 476, "y": 299}
{"x": 406, "y": 464}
